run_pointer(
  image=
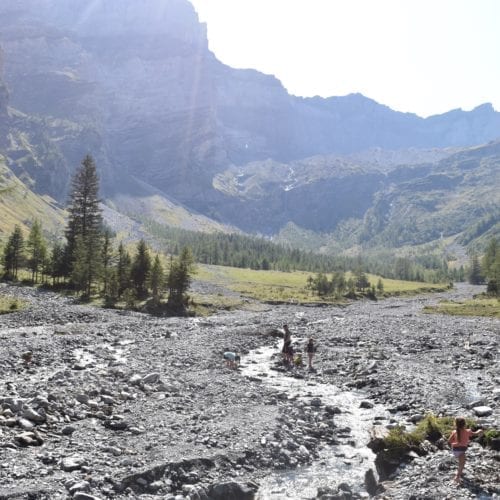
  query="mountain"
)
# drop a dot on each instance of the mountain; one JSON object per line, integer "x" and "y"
{"x": 133, "y": 83}
{"x": 19, "y": 205}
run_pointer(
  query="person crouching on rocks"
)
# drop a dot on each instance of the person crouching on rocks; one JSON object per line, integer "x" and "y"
{"x": 232, "y": 359}
{"x": 459, "y": 441}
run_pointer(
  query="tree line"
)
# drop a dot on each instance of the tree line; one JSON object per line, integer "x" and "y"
{"x": 338, "y": 286}
{"x": 87, "y": 260}
{"x": 237, "y": 250}
{"x": 487, "y": 269}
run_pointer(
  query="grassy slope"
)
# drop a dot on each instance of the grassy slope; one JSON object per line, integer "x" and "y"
{"x": 19, "y": 205}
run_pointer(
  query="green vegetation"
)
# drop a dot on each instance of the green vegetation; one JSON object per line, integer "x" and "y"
{"x": 479, "y": 306}
{"x": 236, "y": 250}
{"x": 87, "y": 263}
{"x": 19, "y": 205}
{"x": 399, "y": 442}
{"x": 10, "y": 304}
{"x": 489, "y": 435}
{"x": 282, "y": 287}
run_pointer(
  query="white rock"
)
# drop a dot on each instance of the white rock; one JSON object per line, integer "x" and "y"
{"x": 482, "y": 411}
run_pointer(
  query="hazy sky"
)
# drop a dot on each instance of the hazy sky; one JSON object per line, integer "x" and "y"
{"x": 421, "y": 56}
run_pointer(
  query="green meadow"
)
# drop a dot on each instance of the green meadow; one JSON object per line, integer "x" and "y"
{"x": 286, "y": 287}
{"x": 479, "y": 306}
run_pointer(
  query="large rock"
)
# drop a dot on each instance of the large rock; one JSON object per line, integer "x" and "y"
{"x": 231, "y": 491}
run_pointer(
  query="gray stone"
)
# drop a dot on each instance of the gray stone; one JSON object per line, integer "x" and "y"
{"x": 482, "y": 411}
{"x": 33, "y": 415}
{"x": 84, "y": 496}
{"x": 79, "y": 486}
{"x": 75, "y": 462}
{"x": 26, "y": 424}
{"x": 151, "y": 378}
{"x": 29, "y": 439}
{"x": 67, "y": 430}
{"x": 135, "y": 379}
{"x": 230, "y": 490}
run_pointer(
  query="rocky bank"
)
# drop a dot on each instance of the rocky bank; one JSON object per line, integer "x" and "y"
{"x": 114, "y": 404}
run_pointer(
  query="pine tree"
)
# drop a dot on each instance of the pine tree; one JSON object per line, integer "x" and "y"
{"x": 380, "y": 286}
{"x": 362, "y": 282}
{"x": 491, "y": 267}
{"x": 141, "y": 268}
{"x": 107, "y": 257}
{"x": 475, "y": 277}
{"x": 56, "y": 263}
{"x": 84, "y": 229}
{"x": 123, "y": 269}
{"x": 179, "y": 278}
{"x": 37, "y": 250}
{"x": 157, "y": 279}
{"x": 13, "y": 256}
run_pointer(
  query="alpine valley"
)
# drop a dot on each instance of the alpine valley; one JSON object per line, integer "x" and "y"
{"x": 183, "y": 140}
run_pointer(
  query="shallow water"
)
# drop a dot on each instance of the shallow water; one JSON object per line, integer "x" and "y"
{"x": 346, "y": 462}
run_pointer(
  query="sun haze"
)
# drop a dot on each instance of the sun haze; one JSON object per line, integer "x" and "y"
{"x": 420, "y": 56}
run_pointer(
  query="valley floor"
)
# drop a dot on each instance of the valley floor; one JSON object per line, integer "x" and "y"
{"x": 124, "y": 405}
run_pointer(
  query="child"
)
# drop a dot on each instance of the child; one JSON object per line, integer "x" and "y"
{"x": 310, "y": 349}
{"x": 232, "y": 359}
{"x": 459, "y": 440}
{"x": 298, "y": 360}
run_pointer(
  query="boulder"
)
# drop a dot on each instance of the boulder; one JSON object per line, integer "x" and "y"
{"x": 230, "y": 491}
{"x": 482, "y": 411}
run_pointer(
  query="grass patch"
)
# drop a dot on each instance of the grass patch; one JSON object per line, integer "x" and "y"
{"x": 400, "y": 287}
{"x": 479, "y": 306}
{"x": 207, "y": 304}
{"x": 399, "y": 442}
{"x": 287, "y": 287}
{"x": 10, "y": 304}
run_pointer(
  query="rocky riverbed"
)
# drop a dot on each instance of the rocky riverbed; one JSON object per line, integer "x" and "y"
{"x": 124, "y": 405}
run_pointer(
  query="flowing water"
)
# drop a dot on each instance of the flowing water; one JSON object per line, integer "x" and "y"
{"x": 346, "y": 462}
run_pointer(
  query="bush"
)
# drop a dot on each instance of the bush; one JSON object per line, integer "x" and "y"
{"x": 489, "y": 436}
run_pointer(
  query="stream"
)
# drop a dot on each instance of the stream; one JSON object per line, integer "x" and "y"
{"x": 346, "y": 462}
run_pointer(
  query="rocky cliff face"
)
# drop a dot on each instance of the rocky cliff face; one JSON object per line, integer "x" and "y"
{"x": 134, "y": 84}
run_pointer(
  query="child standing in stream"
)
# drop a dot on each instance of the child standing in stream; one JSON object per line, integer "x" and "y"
{"x": 459, "y": 441}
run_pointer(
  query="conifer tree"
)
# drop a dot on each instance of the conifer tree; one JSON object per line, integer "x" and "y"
{"x": 123, "y": 269}
{"x": 107, "y": 259}
{"x": 13, "y": 255}
{"x": 475, "y": 277}
{"x": 141, "y": 268}
{"x": 179, "y": 278}
{"x": 157, "y": 279}
{"x": 84, "y": 229}
{"x": 37, "y": 250}
{"x": 56, "y": 262}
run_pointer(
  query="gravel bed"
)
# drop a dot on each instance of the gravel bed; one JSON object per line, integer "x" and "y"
{"x": 116, "y": 404}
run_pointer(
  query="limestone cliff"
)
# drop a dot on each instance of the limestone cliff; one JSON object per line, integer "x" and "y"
{"x": 133, "y": 83}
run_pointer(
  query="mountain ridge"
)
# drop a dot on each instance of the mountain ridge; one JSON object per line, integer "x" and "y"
{"x": 144, "y": 95}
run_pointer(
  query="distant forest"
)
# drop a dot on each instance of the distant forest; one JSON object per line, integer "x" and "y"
{"x": 254, "y": 252}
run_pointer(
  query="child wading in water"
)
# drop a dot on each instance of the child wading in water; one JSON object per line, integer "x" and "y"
{"x": 459, "y": 440}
